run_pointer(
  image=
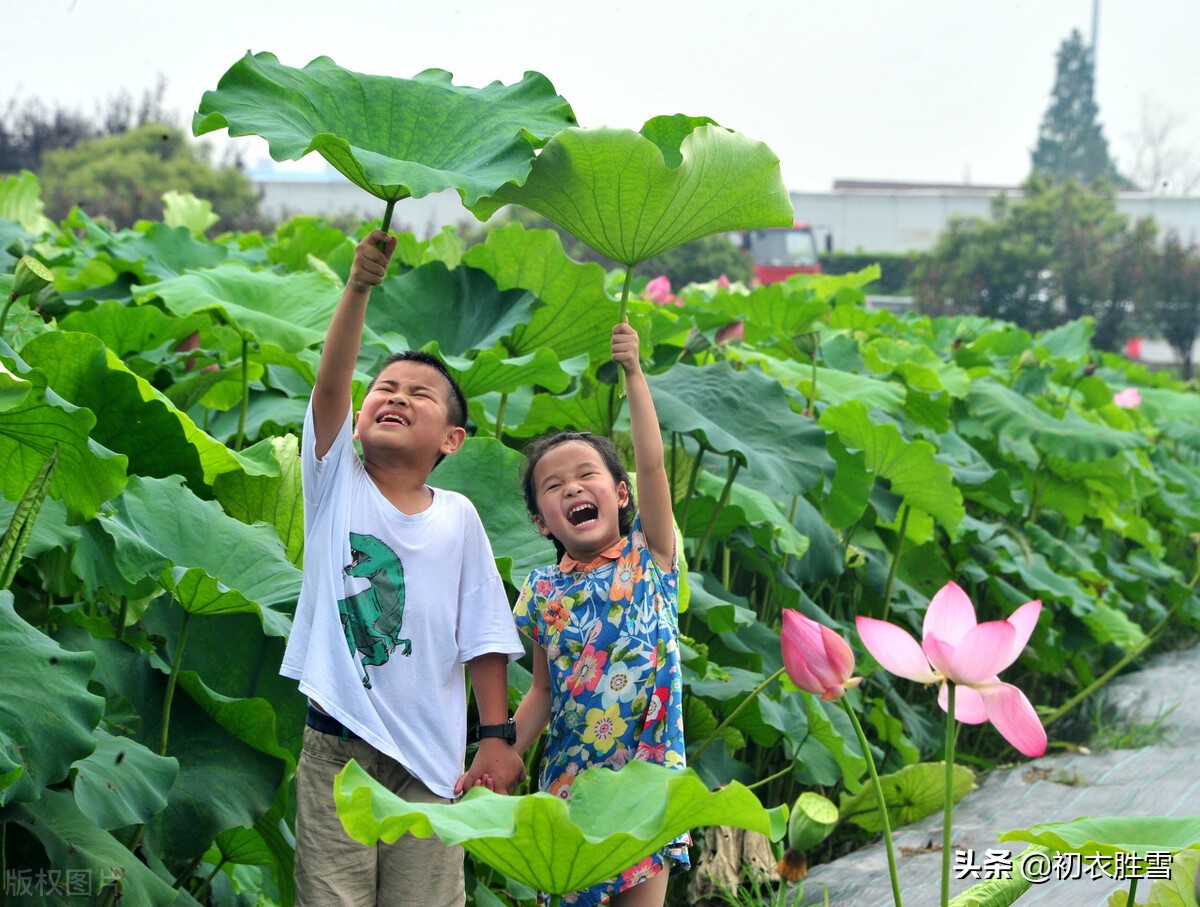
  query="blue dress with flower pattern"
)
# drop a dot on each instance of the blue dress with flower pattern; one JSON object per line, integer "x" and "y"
{"x": 611, "y": 640}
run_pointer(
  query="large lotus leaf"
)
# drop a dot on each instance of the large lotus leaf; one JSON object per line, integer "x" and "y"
{"x": 911, "y": 794}
{"x": 122, "y": 783}
{"x": 237, "y": 660}
{"x": 830, "y": 741}
{"x": 772, "y": 314}
{"x": 46, "y": 713}
{"x": 754, "y": 509}
{"x": 573, "y": 315}
{"x": 223, "y": 782}
{"x": 269, "y": 843}
{"x": 392, "y": 137}
{"x": 591, "y": 408}
{"x": 277, "y": 500}
{"x": 159, "y": 253}
{"x": 1109, "y": 835}
{"x": 460, "y": 310}
{"x": 916, "y": 364}
{"x": 832, "y": 385}
{"x": 21, "y": 203}
{"x": 210, "y": 759}
{"x": 1013, "y": 416}
{"x": 132, "y": 417}
{"x": 1069, "y": 341}
{"x": 632, "y": 195}
{"x": 291, "y": 311}
{"x": 489, "y": 373}
{"x": 212, "y": 562}
{"x": 746, "y": 415}
{"x": 555, "y": 845}
{"x": 13, "y": 388}
{"x": 486, "y": 472}
{"x": 80, "y": 850}
{"x": 252, "y": 721}
{"x": 86, "y": 476}
{"x": 126, "y": 329}
{"x": 182, "y": 209}
{"x": 910, "y": 467}
{"x": 445, "y": 246}
{"x": 304, "y": 236}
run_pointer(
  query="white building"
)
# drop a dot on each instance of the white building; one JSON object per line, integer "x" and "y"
{"x": 898, "y": 217}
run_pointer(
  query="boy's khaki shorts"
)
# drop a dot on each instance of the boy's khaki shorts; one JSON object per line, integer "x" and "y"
{"x": 334, "y": 869}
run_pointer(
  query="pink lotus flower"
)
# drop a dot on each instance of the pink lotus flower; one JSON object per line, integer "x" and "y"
{"x": 956, "y": 649}
{"x": 659, "y": 290}
{"x": 1128, "y": 398}
{"x": 723, "y": 283}
{"x": 817, "y": 660}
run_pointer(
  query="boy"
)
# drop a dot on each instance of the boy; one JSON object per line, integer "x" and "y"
{"x": 400, "y": 590}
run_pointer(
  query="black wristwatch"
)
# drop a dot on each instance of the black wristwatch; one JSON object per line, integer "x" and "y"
{"x": 506, "y": 731}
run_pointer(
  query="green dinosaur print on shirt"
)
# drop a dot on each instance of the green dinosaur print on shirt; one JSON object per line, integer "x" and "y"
{"x": 372, "y": 618}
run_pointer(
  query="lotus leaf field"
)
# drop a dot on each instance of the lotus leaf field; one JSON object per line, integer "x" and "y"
{"x": 836, "y": 460}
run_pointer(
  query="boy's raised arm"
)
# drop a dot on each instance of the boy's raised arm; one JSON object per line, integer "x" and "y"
{"x": 332, "y": 396}
{"x": 653, "y": 486}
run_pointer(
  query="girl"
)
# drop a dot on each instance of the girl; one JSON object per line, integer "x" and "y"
{"x": 603, "y": 620}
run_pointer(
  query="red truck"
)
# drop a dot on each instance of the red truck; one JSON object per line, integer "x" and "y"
{"x": 780, "y": 252}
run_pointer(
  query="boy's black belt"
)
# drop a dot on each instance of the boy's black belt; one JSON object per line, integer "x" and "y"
{"x": 327, "y": 724}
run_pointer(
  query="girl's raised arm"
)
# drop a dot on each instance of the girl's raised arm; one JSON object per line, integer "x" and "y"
{"x": 653, "y": 486}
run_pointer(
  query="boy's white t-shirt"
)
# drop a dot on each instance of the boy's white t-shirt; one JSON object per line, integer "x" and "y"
{"x": 422, "y": 597}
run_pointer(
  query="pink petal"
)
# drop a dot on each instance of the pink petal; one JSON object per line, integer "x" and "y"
{"x": 1013, "y": 716}
{"x": 968, "y": 704}
{"x": 950, "y": 615}
{"x": 838, "y": 655}
{"x": 802, "y": 650}
{"x": 983, "y": 653}
{"x": 895, "y": 649}
{"x": 659, "y": 290}
{"x": 940, "y": 654}
{"x": 1024, "y": 619}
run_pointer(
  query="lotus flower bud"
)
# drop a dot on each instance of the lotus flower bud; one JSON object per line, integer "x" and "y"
{"x": 30, "y": 276}
{"x": 965, "y": 333}
{"x": 808, "y": 343}
{"x": 1029, "y": 359}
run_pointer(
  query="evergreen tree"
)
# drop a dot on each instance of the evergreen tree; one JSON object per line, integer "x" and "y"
{"x": 1071, "y": 143}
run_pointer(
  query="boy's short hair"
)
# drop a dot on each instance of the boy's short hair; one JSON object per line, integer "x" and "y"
{"x": 456, "y": 402}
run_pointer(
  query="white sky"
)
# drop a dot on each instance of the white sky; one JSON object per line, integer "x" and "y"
{"x": 933, "y": 90}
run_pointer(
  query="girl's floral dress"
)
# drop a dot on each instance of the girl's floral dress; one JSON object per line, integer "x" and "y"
{"x": 611, "y": 640}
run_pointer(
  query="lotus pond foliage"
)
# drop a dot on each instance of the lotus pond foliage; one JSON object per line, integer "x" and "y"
{"x": 837, "y": 461}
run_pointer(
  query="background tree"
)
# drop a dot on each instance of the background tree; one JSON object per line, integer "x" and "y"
{"x": 1175, "y": 308}
{"x": 29, "y": 129}
{"x": 1058, "y": 253}
{"x": 123, "y": 178}
{"x": 1071, "y": 143}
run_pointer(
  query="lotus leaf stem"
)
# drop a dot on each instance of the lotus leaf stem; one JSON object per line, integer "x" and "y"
{"x": 948, "y": 813}
{"x": 737, "y": 711}
{"x": 245, "y": 407}
{"x": 884, "y": 819}
{"x": 712, "y": 522}
{"x": 500, "y": 415}
{"x": 891, "y": 578}
{"x": 176, "y": 663}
